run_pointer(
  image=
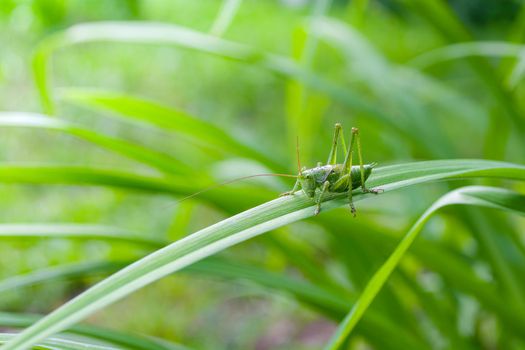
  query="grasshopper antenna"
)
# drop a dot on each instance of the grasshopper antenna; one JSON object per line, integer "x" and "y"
{"x": 298, "y": 157}
{"x": 229, "y": 182}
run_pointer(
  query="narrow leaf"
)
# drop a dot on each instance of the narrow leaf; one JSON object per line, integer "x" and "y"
{"x": 472, "y": 195}
{"x": 75, "y": 231}
{"x": 155, "y": 159}
{"x": 239, "y": 228}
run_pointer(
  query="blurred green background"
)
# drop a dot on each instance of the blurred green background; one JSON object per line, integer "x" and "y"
{"x": 375, "y": 67}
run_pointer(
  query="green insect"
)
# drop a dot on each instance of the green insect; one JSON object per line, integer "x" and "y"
{"x": 334, "y": 177}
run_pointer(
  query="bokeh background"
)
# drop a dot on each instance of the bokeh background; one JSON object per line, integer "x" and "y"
{"x": 423, "y": 80}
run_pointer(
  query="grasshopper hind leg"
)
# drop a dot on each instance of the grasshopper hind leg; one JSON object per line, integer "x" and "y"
{"x": 338, "y": 134}
{"x": 350, "y": 199}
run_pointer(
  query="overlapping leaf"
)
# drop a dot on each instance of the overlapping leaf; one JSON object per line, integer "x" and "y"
{"x": 239, "y": 228}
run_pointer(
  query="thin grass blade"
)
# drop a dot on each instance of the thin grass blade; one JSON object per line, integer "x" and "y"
{"x": 239, "y": 228}
{"x": 473, "y": 195}
{"x": 148, "y": 156}
{"x": 76, "y": 231}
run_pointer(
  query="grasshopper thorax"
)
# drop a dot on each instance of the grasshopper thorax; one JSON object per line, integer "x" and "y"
{"x": 313, "y": 178}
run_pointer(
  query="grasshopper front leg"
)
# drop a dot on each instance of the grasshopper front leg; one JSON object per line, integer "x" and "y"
{"x": 295, "y": 188}
{"x": 326, "y": 184}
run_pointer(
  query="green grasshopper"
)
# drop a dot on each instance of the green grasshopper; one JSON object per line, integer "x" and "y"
{"x": 334, "y": 177}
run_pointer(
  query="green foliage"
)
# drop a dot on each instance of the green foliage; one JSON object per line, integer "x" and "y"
{"x": 149, "y": 102}
{"x": 478, "y": 196}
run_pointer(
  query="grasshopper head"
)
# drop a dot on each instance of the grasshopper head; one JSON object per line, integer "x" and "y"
{"x": 308, "y": 183}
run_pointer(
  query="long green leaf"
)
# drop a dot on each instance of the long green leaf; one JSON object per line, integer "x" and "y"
{"x": 226, "y": 14}
{"x": 164, "y": 118}
{"x": 82, "y": 175}
{"x": 241, "y": 227}
{"x": 75, "y": 231}
{"x": 472, "y": 195}
{"x": 166, "y": 34}
{"x": 56, "y": 273}
{"x": 228, "y": 197}
{"x": 441, "y": 15}
{"x": 452, "y": 267}
{"x": 313, "y": 295}
{"x": 116, "y": 338}
{"x": 470, "y": 49}
{"x": 60, "y": 343}
{"x": 389, "y": 83}
{"x": 153, "y": 158}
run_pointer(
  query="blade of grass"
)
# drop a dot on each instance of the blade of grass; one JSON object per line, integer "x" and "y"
{"x": 165, "y": 34}
{"x": 469, "y": 49}
{"x": 483, "y": 229}
{"x": 439, "y": 309}
{"x": 76, "y": 231}
{"x": 473, "y": 195}
{"x": 452, "y": 267}
{"x": 442, "y": 17}
{"x": 386, "y": 81}
{"x": 127, "y": 340}
{"x": 313, "y": 295}
{"x": 227, "y": 197}
{"x": 304, "y": 111}
{"x": 239, "y": 228}
{"x": 164, "y": 118}
{"x": 512, "y": 68}
{"x": 230, "y": 198}
{"x": 81, "y": 175}
{"x": 155, "y": 159}
{"x": 60, "y": 343}
{"x": 63, "y": 272}
{"x": 226, "y": 15}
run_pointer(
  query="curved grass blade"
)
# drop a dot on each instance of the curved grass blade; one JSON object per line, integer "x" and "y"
{"x": 76, "y": 231}
{"x": 60, "y": 343}
{"x": 165, "y": 118}
{"x": 167, "y": 34}
{"x": 120, "y": 339}
{"x": 304, "y": 110}
{"x": 453, "y": 268}
{"x": 81, "y": 175}
{"x": 473, "y": 195}
{"x": 389, "y": 83}
{"x": 155, "y": 159}
{"x": 469, "y": 49}
{"x": 313, "y": 295}
{"x": 226, "y": 14}
{"x": 443, "y": 18}
{"x": 241, "y": 227}
{"x": 229, "y": 198}
{"x": 326, "y": 301}
{"x": 59, "y": 273}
